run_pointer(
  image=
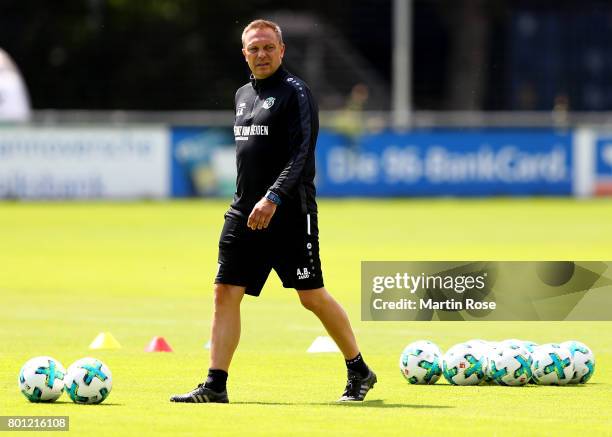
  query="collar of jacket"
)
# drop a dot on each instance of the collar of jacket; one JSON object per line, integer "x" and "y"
{"x": 277, "y": 76}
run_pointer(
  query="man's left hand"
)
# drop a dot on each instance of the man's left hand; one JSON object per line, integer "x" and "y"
{"x": 262, "y": 214}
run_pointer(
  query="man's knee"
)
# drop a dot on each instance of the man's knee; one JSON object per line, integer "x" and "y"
{"x": 227, "y": 295}
{"x": 314, "y": 300}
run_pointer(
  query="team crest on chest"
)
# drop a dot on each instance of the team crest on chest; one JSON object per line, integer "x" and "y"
{"x": 267, "y": 104}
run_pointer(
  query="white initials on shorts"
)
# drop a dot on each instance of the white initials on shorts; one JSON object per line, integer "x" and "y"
{"x": 303, "y": 274}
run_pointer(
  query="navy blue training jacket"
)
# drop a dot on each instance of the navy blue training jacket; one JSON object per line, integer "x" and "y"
{"x": 275, "y": 131}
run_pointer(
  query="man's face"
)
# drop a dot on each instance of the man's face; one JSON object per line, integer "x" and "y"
{"x": 263, "y": 52}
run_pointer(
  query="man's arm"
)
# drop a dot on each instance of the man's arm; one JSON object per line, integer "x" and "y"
{"x": 300, "y": 121}
{"x": 300, "y": 117}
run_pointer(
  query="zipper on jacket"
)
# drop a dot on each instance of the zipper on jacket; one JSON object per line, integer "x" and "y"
{"x": 253, "y": 107}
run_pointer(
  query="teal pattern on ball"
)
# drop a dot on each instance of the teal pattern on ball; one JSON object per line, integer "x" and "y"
{"x": 93, "y": 372}
{"x": 525, "y": 368}
{"x": 51, "y": 374}
{"x": 557, "y": 365}
{"x": 574, "y": 347}
{"x": 475, "y": 366}
{"x": 433, "y": 369}
{"x": 103, "y": 395}
{"x": 74, "y": 395}
{"x": 449, "y": 374}
{"x": 587, "y": 376}
{"x": 35, "y": 396}
{"x": 497, "y": 374}
{"x": 534, "y": 376}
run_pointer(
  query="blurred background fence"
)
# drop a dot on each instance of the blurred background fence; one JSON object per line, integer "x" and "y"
{"x": 133, "y": 98}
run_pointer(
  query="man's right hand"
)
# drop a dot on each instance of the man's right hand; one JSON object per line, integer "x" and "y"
{"x": 262, "y": 214}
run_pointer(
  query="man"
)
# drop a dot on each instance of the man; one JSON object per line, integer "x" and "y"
{"x": 272, "y": 222}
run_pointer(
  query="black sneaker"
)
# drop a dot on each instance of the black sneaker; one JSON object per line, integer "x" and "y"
{"x": 201, "y": 394}
{"x": 357, "y": 387}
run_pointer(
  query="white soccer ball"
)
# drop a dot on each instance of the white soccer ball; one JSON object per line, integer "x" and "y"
{"x": 426, "y": 344}
{"x": 481, "y": 345}
{"x": 477, "y": 342}
{"x": 459, "y": 347}
{"x": 420, "y": 362}
{"x": 552, "y": 365}
{"x": 584, "y": 361}
{"x": 510, "y": 366}
{"x": 530, "y": 345}
{"x": 487, "y": 348}
{"x": 464, "y": 365}
{"x": 88, "y": 381}
{"x": 493, "y": 344}
{"x": 513, "y": 343}
{"x": 41, "y": 379}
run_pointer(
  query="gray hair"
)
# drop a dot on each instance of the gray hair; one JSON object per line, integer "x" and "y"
{"x": 263, "y": 24}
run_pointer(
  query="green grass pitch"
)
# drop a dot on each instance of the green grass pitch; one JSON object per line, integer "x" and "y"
{"x": 71, "y": 270}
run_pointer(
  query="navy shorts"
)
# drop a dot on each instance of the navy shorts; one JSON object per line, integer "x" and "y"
{"x": 290, "y": 246}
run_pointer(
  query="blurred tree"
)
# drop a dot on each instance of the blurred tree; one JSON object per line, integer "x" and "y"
{"x": 145, "y": 54}
{"x": 185, "y": 54}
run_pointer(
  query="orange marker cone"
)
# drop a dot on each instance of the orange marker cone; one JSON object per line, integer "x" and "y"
{"x": 158, "y": 344}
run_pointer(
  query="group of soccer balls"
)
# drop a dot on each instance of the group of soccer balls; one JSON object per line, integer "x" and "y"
{"x": 87, "y": 381}
{"x": 510, "y": 363}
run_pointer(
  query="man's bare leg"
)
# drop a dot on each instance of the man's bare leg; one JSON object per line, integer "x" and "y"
{"x": 360, "y": 377}
{"x": 225, "y": 335}
{"x": 225, "y": 331}
{"x": 333, "y": 317}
